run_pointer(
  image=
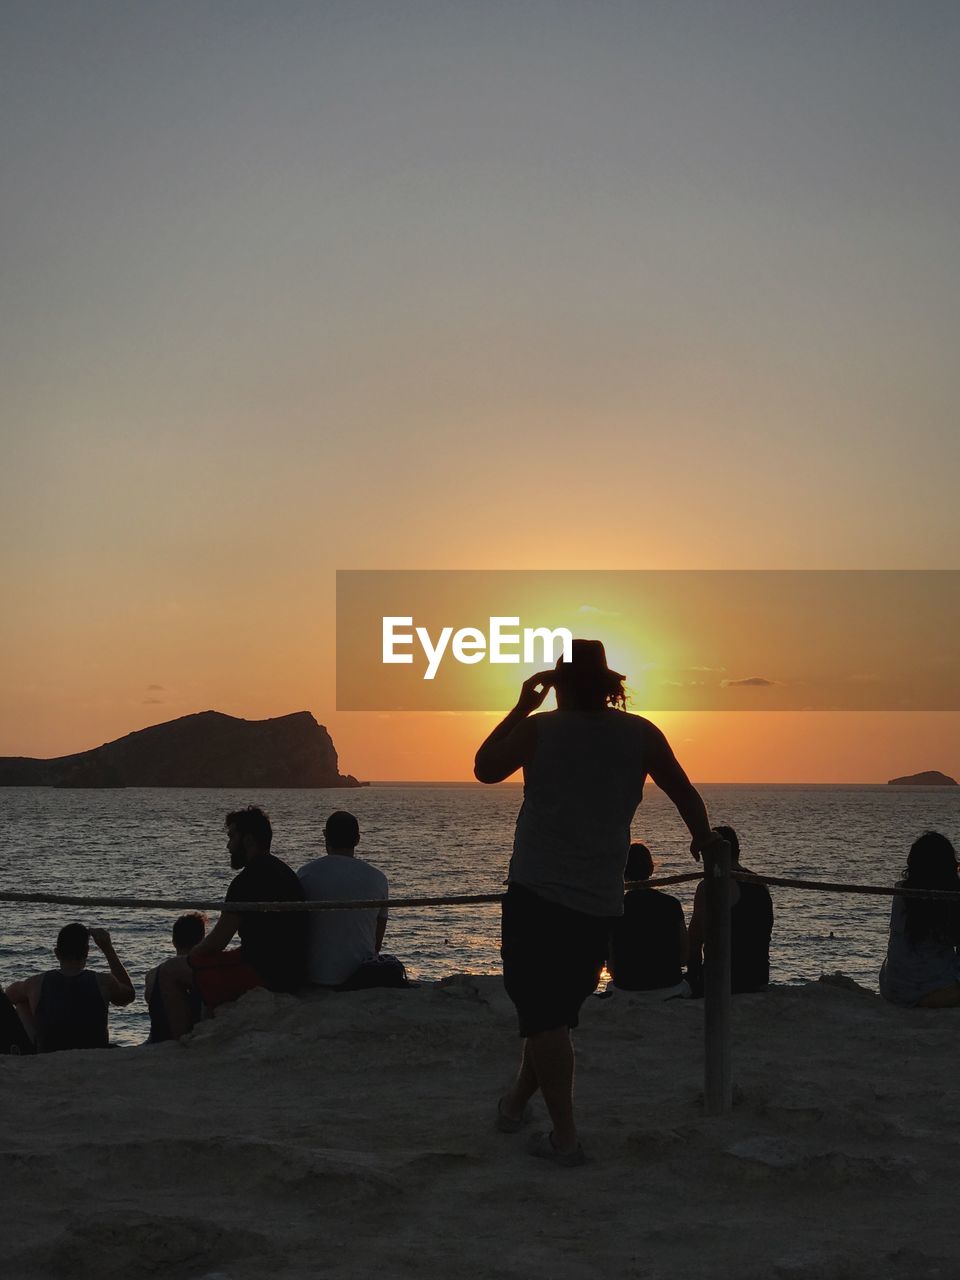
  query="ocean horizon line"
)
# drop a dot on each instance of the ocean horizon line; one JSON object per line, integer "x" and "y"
{"x": 471, "y": 783}
{"x": 518, "y": 785}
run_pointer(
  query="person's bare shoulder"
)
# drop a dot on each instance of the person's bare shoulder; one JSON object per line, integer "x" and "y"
{"x": 651, "y": 744}
{"x": 645, "y": 726}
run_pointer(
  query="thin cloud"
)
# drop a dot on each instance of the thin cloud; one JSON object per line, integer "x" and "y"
{"x": 155, "y": 688}
{"x": 715, "y": 669}
{"x": 751, "y": 682}
{"x": 594, "y": 612}
{"x": 152, "y": 702}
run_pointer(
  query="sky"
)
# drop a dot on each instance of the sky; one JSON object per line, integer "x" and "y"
{"x": 301, "y": 287}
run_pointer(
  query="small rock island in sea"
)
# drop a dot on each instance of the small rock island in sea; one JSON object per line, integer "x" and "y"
{"x": 931, "y": 778}
{"x": 208, "y": 749}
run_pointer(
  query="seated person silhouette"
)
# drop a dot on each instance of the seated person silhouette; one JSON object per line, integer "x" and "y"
{"x": 751, "y": 924}
{"x": 188, "y": 930}
{"x": 922, "y": 966}
{"x": 344, "y": 947}
{"x": 66, "y": 1008}
{"x": 648, "y": 943}
{"x": 272, "y": 943}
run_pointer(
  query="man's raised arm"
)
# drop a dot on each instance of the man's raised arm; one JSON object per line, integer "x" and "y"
{"x": 118, "y": 987}
{"x": 511, "y": 744}
{"x": 219, "y": 937}
{"x": 665, "y": 770}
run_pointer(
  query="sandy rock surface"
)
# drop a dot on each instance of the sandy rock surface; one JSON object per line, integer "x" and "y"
{"x": 352, "y": 1136}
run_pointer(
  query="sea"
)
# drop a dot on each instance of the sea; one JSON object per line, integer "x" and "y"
{"x": 442, "y": 839}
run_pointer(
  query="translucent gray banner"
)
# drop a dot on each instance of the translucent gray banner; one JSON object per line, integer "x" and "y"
{"x": 688, "y": 640}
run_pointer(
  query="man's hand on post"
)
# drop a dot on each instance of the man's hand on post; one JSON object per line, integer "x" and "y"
{"x": 698, "y": 844}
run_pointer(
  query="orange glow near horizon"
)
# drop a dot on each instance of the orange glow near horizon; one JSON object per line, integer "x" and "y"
{"x": 89, "y": 664}
{"x": 712, "y": 746}
{"x": 78, "y": 677}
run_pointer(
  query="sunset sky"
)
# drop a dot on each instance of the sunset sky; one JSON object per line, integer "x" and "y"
{"x": 297, "y": 287}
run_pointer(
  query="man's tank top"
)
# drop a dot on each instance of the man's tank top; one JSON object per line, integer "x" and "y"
{"x": 580, "y": 793}
{"x": 71, "y": 1013}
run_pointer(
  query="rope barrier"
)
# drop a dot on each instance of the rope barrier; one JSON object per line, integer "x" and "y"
{"x": 829, "y": 886}
{"x": 448, "y": 900}
{"x": 659, "y": 880}
{"x": 186, "y": 904}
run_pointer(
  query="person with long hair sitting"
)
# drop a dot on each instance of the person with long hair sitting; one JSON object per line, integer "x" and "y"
{"x": 922, "y": 966}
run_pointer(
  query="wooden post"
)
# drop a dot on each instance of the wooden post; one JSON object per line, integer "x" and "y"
{"x": 717, "y": 1076}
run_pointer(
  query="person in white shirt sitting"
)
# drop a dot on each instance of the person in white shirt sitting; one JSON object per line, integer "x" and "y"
{"x": 343, "y": 947}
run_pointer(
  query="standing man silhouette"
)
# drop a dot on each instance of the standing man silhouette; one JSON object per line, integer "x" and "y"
{"x": 584, "y": 766}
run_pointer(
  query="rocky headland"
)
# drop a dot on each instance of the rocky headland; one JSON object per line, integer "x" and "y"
{"x": 208, "y": 749}
{"x": 931, "y": 778}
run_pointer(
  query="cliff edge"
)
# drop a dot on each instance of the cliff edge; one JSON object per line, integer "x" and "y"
{"x": 208, "y": 749}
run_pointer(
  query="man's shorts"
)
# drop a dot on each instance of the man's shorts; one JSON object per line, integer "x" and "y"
{"x": 552, "y": 959}
{"x": 223, "y": 976}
